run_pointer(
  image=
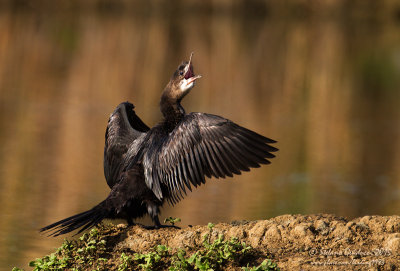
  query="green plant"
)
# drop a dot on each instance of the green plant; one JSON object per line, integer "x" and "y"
{"x": 89, "y": 253}
{"x": 266, "y": 265}
{"x": 149, "y": 260}
{"x": 85, "y": 252}
{"x": 91, "y": 246}
{"x": 179, "y": 261}
{"x": 218, "y": 253}
{"x": 212, "y": 256}
{"x": 172, "y": 220}
{"x": 126, "y": 262}
{"x": 50, "y": 262}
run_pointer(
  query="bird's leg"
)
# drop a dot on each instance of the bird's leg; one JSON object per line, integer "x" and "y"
{"x": 153, "y": 211}
{"x": 130, "y": 221}
{"x": 158, "y": 225}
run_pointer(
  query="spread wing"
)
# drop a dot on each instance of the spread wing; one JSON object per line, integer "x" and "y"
{"x": 124, "y": 127}
{"x": 203, "y": 145}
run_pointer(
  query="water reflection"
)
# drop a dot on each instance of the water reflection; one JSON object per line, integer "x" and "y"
{"x": 326, "y": 89}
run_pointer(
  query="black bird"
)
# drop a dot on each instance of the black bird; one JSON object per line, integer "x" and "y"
{"x": 144, "y": 167}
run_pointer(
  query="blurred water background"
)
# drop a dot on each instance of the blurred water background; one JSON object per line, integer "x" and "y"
{"x": 321, "y": 77}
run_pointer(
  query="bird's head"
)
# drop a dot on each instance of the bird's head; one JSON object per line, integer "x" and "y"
{"x": 183, "y": 80}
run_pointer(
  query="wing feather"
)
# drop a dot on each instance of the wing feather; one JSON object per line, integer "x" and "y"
{"x": 124, "y": 127}
{"x": 215, "y": 159}
{"x": 189, "y": 170}
{"x": 185, "y": 170}
{"x": 234, "y": 157}
{"x": 211, "y": 164}
{"x": 204, "y": 145}
{"x": 236, "y": 154}
{"x": 198, "y": 174}
{"x": 223, "y": 160}
{"x": 201, "y": 164}
{"x": 181, "y": 181}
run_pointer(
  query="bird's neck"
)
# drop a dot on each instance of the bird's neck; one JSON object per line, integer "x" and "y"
{"x": 171, "y": 109}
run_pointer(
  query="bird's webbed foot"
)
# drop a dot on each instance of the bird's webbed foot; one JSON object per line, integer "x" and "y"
{"x": 158, "y": 225}
{"x": 168, "y": 226}
{"x": 131, "y": 223}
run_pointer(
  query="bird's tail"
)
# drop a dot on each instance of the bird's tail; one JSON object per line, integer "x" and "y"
{"x": 85, "y": 220}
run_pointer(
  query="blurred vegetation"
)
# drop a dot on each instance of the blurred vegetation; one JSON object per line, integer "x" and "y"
{"x": 321, "y": 77}
{"x": 292, "y": 9}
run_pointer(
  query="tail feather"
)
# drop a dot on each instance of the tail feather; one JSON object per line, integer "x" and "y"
{"x": 86, "y": 220}
{"x": 93, "y": 223}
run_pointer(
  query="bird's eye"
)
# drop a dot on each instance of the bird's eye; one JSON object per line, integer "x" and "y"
{"x": 181, "y": 72}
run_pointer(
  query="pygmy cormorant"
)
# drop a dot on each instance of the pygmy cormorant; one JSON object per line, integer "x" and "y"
{"x": 144, "y": 167}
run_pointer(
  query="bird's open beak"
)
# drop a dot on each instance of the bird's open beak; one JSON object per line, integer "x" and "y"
{"x": 189, "y": 74}
{"x": 194, "y": 78}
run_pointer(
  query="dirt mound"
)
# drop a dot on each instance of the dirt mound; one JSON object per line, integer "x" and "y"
{"x": 293, "y": 242}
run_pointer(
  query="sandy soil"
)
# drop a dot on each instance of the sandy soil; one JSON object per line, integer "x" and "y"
{"x": 294, "y": 242}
